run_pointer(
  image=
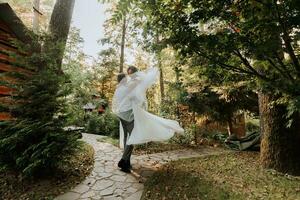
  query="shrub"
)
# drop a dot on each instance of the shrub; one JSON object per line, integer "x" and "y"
{"x": 104, "y": 124}
{"x": 252, "y": 125}
{"x": 216, "y": 136}
{"x": 35, "y": 142}
{"x": 75, "y": 114}
{"x": 188, "y": 137}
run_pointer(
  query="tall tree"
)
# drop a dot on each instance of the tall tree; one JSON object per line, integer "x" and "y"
{"x": 159, "y": 63}
{"x": 246, "y": 38}
{"x": 59, "y": 27}
{"x": 36, "y": 15}
{"x": 123, "y": 43}
{"x": 121, "y": 30}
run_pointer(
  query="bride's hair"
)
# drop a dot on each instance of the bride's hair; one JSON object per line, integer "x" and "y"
{"x": 120, "y": 77}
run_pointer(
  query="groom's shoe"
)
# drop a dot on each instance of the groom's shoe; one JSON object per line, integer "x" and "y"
{"x": 121, "y": 163}
{"x": 124, "y": 165}
{"x": 126, "y": 169}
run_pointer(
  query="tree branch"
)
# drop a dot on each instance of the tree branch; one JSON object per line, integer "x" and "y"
{"x": 248, "y": 65}
{"x": 235, "y": 69}
{"x": 261, "y": 2}
{"x": 287, "y": 41}
{"x": 287, "y": 75}
{"x": 230, "y": 67}
{"x": 283, "y": 66}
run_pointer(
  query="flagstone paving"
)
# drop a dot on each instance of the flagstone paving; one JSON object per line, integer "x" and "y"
{"x": 107, "y": 182}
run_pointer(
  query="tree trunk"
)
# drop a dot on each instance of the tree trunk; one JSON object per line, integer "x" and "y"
{"x": 161, "y": 76}
{"x": 280, "y": 146}
{"x": 36, "y": 15}
{"x": 123, "y": 44}
{"x": 230, "y": 127}
{"x": 102, "y": 88}
{"x": 161, "y": 81}
{"x": 59, "y": 29}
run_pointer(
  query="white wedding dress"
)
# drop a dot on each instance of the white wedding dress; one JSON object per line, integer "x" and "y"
{"x": 131, "y": 94}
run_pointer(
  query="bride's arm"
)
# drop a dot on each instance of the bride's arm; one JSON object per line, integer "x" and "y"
{"x": 135, "y": 93}
{"x": 139, "y": 83}
{"x": 133, "y": 83}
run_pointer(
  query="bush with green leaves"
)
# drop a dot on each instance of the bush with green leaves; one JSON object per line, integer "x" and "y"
{"x": 35, "y": 142}
{"x": 75, "y": 114}
{"x": 188, "y": 138}
{"x": 252, "y": 125}
{"x": 103, "y": 124}
{"x": 216, "y": 136}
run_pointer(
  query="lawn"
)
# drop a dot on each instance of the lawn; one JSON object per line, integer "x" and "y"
{"x": 234, "y": 176}
{"x": 72, "y": 172}
{"x": 151, "y": 147}
{"x": 110, "y": 140}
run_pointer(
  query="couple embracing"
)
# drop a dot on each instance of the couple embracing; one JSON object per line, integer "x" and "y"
{"x": 137, "y": 126}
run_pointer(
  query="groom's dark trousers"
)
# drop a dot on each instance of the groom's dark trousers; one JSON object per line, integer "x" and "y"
{"x": 127, "y": 127}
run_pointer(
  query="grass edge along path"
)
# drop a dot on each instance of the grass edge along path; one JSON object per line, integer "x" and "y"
{"x": 148, "y": 148}
{"x": 234, "y": 176}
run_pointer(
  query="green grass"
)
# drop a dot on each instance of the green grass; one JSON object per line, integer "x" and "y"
{"x": 71, "y": 172}
{"x": 110, "y": 140}
{"x": 155, "y": 147}
{"x": 234, "y": 176}
{"x": 252, "y": 125}
{"x": 151, "y": 147}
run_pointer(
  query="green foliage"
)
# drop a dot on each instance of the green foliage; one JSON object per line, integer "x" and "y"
{"x": 110, "y": 140}
{"x": 228, "y": 40}
{"x": 189, "y": 136}
{"x": 103, "y": 124}
{"x": 122, "y": 8}
{"x": 94, "y": 123}
{"x": 90, "y": 83}
{"x": 168, "y": 109}
{"x": 252, "y": 125}
{"x": 216, "y": 136}
{"x": 80, "y": 92}
{"x": 220, "y": 104}
{"x": 75, "y": 114}
{"x": 83, "y": 84}
{"x": 35, "y": 142}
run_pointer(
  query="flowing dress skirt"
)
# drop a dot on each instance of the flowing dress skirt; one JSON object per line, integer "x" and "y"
{"x": 149, "y": 127}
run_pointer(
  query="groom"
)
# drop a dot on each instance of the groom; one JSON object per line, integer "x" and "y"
{"x": 127, "y": 122}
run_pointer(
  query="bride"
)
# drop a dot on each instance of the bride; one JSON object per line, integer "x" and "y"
{"x": 130, "y": 105}
{"x": 147, "y": 127}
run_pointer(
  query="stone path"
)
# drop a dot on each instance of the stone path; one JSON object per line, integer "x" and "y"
{"x": 107, "y": 182}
